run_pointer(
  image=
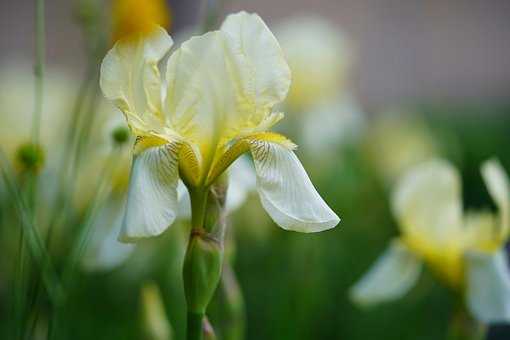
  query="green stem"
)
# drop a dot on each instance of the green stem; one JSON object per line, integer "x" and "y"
{"x": 194, "y": 331}
{"x": 198, "y": 207}
{"x": 463, "y": 326}
{"x": 38, "y": 68}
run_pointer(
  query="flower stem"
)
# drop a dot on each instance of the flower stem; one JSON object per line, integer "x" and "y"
{"x": 38, "y": 68}
{"x": 198, "y": 207}
{"x": 463, "y": 326}
{"x": 194, "y": 331}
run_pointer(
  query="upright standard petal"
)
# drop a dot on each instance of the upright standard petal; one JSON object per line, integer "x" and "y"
{"x": 226, "y": 82}
{"x": 488, "y": 286}
{"x": 199, "y": 90}
{"x": 257, "y": 61}
{"x": 152, "y": 202}
{"x": 285, "y": 190}
{"x": 390, "y": 278}
{"x": 497, "y": 183}
{"x": 130, "y": 78}
{"x": 427, "y": 202}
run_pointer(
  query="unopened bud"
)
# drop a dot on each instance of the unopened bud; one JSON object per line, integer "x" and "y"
{"x": 120, "y": 135}
{"x": 30, "y": 157}
{"x": 202, "y": 270}
{"x": 214, "y": 221}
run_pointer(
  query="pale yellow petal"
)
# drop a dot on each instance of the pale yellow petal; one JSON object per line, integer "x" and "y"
{"x": 488, "y": 286}
{"x": 152, "y": 203}
{"x": 257, "y": 60}
{"x": 286, "y": 192}
{"x": 225, "y": 83}
{"x": 390, "y": 278}
{"x": 130, "y": 78}
{"x": 497, "y": 183}
{"x": 427, "y": 202}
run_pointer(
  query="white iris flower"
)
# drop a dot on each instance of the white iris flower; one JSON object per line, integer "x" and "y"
{"x": 219, "y": 92}
{"x": 466, "y": 251}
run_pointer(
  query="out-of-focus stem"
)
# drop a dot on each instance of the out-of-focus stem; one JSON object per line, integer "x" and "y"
{"x": 38, "y": 68}
{"x": 208, "y": 330}
{"x": 204, "y": 257}
{"x": 234, "y": 304}
{"x": 463, "y": 326}
{"x": 194, "y": 324}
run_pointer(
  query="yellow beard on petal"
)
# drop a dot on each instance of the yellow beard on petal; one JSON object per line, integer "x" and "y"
{"x": 143, "y": 143}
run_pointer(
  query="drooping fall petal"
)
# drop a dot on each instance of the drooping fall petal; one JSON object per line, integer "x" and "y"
{"x": 488, "y": 286}
{"x": 390, "y": 278}
{"x": 152, "y": 203}
{"x": 286, "y": 191}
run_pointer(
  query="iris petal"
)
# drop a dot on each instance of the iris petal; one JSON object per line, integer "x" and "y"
{"x": 390, "y": 278}
{"x": 152, "y": 202}
{"x": 286, "y": 191}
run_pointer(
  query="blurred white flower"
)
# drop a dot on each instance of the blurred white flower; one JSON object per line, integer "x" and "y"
{"x": 319, "y": 57}
{"x": 320, "y": 98}
{"x": 465, "y": 251}
{"x": 396, "y": 140}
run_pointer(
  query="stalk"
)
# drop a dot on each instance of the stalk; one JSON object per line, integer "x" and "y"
{"x": 463, "y": 326}
{"x": 194, "y": 324}
{"x": 38, "y": 68}
{"x": 204, "y": 256}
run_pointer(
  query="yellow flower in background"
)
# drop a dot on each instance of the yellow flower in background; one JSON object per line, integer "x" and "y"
{"x": 132, "y": 17}
{"x": 214, "y": 104}
{"x": 465, "y": 251}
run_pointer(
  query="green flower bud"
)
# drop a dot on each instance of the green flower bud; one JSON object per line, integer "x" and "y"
{"x": 120, "y": 135}
{"x": 30, "y": 157}
{"x": 202, "y": 270}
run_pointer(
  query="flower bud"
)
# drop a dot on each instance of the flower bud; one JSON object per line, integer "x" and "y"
{"x": 30, "y": 157}
{"x": 120, "y": 135}
{"x": 202, "y": 270}
{"x": 214, "y": 221}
